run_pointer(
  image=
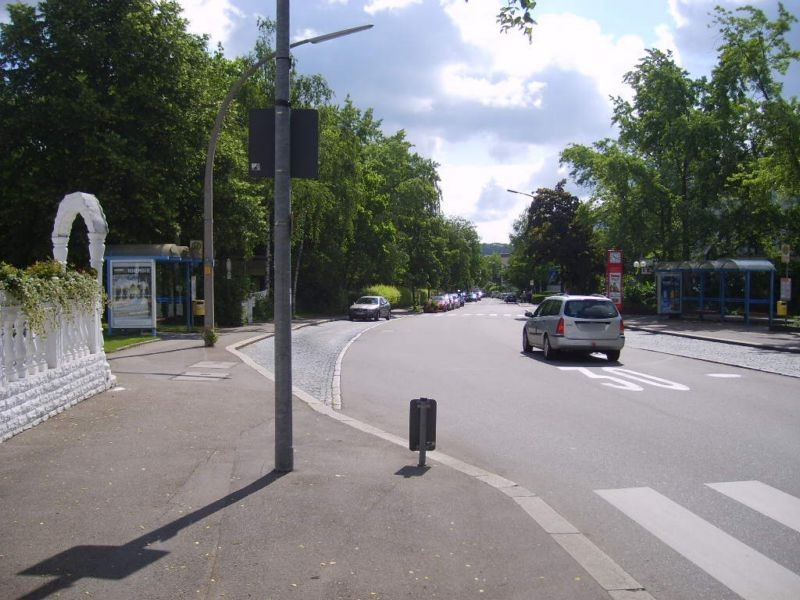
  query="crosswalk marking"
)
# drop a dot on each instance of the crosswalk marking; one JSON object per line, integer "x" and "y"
{"x": 745, "y": 571}
{"x": 767, "y": 500}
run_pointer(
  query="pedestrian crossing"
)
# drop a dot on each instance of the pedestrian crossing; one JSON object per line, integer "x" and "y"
{"x": 745, "y": 571}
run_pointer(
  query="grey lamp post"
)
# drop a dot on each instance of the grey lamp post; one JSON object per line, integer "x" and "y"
{"x": 521, "y": 193}
{"x": 208, "y": 181}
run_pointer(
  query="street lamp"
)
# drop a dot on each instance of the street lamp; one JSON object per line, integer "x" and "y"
{"x": 208, "y": 182}
{"x": 521, "y": 193}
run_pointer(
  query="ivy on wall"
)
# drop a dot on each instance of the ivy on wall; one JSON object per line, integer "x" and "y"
{"x": 48, "y": 284}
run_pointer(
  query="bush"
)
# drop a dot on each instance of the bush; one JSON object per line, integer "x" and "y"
{"x": 48, "y": 283}
{"x": 639, "y": 295}
{"x": 262, "y": 310}
{"x": 229, "y": 295}
{"x": 391, "y": 293}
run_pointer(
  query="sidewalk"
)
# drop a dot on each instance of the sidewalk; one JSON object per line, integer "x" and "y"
{"x": 163, "y": 488}
{"x": 754, "y": 335}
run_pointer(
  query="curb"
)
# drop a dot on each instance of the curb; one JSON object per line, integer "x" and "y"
{"x": 707, "y": 338}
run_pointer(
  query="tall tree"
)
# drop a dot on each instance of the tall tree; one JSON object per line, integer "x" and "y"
{"x": 555, "y": 230}
{"x": 110, "y": 97}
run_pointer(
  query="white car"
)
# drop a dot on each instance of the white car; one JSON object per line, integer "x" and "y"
{"x": 565, "y": 323}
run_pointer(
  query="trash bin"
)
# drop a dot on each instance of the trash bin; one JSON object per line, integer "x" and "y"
{"x": 199, "y": 308}
{"x": 782, "y": 308}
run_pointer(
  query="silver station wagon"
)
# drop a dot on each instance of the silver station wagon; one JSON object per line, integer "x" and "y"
{"x": 565, "y": 323}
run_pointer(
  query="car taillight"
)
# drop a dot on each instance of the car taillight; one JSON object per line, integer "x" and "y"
{"x": 621, "y": 327}
{"x": 560, "y": 327}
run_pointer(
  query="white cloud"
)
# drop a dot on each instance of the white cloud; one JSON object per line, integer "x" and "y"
{"x": 677, "y": 14}
{"x": 562, "y": 41}
{"x": 458, "y": 82}
{"x": 217, "y": 18}
{"x": 376, "y": 6}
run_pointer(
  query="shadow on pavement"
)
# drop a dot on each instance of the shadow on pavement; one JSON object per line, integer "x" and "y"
{"x": 119, "y": 562}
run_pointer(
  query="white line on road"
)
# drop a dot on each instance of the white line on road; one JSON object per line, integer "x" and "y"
{"x": 745, "y": 571}
{"x": 769, "y": 501}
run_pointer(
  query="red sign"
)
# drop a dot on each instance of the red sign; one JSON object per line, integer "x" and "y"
{"x": 614, "y": 277}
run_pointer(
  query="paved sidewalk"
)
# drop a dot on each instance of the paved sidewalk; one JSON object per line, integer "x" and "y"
{"x": 754, "y": 335}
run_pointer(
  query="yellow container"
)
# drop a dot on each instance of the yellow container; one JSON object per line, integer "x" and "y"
{"x": 782, "y": 308}
{"x": 199, "y": 308}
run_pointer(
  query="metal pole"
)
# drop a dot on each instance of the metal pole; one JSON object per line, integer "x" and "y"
{"x": 423, "y": 430}
{"x": 208, "y": 180}
{"x": 284, "y": 451}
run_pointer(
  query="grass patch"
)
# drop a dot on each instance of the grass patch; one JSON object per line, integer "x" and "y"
{"x": 118, "y": 342}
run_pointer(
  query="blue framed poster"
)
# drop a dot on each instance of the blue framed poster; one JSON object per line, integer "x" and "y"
{"x": 131, "y": 294}
{"x": 669, "y": 286}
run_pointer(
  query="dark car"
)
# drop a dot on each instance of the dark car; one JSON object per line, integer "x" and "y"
{"x": 371, "y": 307}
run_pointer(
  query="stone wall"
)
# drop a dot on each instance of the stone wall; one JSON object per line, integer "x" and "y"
{"x": 28, "y": 402}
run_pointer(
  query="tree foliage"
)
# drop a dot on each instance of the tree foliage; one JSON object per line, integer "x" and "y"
{"x": 553, "y": 231}
{"x": 116, "y": 98}
{"x": 702, "y": 167}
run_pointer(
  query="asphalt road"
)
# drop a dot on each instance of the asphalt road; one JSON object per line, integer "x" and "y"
{"x": 683, "y": 471}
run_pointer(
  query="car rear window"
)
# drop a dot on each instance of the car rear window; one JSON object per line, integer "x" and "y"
{"x": 590, "y": 309}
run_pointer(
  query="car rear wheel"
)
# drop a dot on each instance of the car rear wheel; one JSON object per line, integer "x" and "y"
{"x": 612, "y": 355}
{"x": 547, "y": 349}
{"x": 526, "y": 345}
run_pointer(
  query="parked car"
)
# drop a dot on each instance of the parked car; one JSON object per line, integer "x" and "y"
{"x": 574, "y": 324}
{"x": 510, "y": 299}
{"x": 371, "y": 307}
{"x": 437, "y": 304}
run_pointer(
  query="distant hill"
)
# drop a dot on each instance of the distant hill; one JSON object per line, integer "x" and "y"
{"x": 487, "y": 249}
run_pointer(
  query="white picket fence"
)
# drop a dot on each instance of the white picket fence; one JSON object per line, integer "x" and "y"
{"x": 42, "y": 374}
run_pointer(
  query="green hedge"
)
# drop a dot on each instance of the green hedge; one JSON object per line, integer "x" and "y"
{"x": 390, "y": 292}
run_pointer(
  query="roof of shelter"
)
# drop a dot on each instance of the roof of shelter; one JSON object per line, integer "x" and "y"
{"x": 721, "y": 264}
{"x": 163, "y": 251}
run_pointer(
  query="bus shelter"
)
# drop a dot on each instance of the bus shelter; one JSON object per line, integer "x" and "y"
{"x": 727, "y": 287}
{"x": 148, "y": 281}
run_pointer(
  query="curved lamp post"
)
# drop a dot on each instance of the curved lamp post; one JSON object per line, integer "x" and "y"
{"x": 208, "y": 182}
{"x": 521, "y": 193}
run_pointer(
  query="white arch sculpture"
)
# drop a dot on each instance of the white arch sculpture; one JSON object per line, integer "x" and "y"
{"x": 41, "y": 375}
{"x": 86, "y": 205}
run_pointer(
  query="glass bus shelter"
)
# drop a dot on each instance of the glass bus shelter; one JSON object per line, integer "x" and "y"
{"x": 723, "y": 288}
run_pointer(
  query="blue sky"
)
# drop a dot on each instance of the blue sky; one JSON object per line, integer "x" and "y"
{"x": 493, "y": 110}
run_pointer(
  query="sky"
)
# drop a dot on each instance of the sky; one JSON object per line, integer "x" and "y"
{"x": 491, "y": 109}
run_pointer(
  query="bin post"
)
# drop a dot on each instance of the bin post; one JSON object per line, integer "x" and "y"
{"x": 422, "y": 427}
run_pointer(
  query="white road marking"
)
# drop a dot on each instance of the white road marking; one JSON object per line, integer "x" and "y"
{"x": 745, "y": 571}
{"x": 616, "y": 383}
{"x": 621, "y": 382}
{"x": 212, "y": 364}
{"x": 769, "y": 501}
{"x": 647, "y": 379}
{"x": 724, "y": 375}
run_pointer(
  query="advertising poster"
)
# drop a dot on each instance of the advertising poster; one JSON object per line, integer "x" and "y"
{"x": 670, "y": 292}
{"x": 786, "y": 289}
{"x": 131, "y": 298}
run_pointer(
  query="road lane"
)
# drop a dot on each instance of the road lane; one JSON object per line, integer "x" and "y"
{"x": 667, "y": 422}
